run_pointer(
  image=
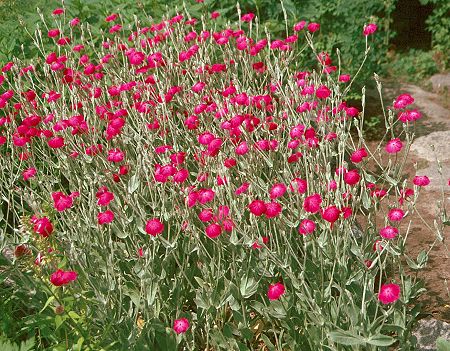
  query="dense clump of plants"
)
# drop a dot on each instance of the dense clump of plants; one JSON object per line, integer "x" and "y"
{"x": 180, "y": 185}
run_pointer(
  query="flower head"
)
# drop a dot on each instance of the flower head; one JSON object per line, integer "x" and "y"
{"x": 181, "y": 325}
{"x": 154, "y": 227}
{"x": 389, "y": 293}
{"x": 61, "y": 277}
{"x": 275, "y": 291}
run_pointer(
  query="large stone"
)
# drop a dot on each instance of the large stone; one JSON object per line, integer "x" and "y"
{"x": 428, "y": 331}
{"x": 423, "y": 146}
{"x": 441, "y": 82}
{"x": 431, "y": 105}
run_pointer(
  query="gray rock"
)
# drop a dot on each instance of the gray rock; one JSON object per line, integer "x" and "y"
{"x": 440, "y": 82}
{"x": 441, "y": 142}
{"x": 428, "y": 331}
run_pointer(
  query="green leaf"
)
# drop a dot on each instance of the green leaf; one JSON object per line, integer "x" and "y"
{"x": 27, "y": 345}
{"x": 133, "y": 184}
{"x": 345, "y": 338}
{"x": 366, "y": 200}
{"x": 49, "y": 301}
{"x": 380, "y": 340}
{"x": 58, "y": 321}
{"x": 442, "y": 344}
{"x": 248, "y": 287}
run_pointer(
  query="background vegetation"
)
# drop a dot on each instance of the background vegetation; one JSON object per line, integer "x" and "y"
{"x": 341, "y": 22}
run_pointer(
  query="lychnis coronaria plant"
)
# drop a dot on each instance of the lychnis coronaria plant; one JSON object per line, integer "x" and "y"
{"x": 177, "y": 185}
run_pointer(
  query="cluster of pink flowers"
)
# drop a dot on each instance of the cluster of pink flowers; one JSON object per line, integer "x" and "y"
{"x": 199, "y": 130}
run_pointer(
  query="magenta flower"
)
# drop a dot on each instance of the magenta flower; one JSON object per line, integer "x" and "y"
{"x": 421, "y": 180}
{"x": 277, "y": 190}
{"x": 105, "y": 217}
{"x": 29, "y": 173}
{"x": 358, "y": 155}
{"x": 115, "y": 155}
{"x": 352, "y": 177}
{"x": 312, "y": 203}
{"x": 104, "y": 197}
{"x": 323, "y": 92}
{"x": 393, "y": 146}
{"x": 61, "y": 277}
{"x": 42, "y": 226}
{"x": 154, "y": 227}
{"x": 213, "y": 230}
{"x": 275, "y": 291}
{"x": 370, "y": 29}
{"x": 61, "y": 202}
{"x": 313, "y": 27}
{"x": 331, "y": 214}
{"x": 181, "y": 325}
{"x": 389, "y": 293}
{"x": 307, "y": 227}
{"x": 388, "y": 232}
{"x": 257, "y": 207}
{"x": 396, "y": 214}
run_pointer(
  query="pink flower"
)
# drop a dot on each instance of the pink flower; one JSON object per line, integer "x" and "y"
{"x": 74, "y": 22}
{"x": 307, "y": 227}
{"x": 105, "y": 217}
{"x": 312, "y": 203}
{"x": 389, "y": 293}
{"x": 299, "y": 185}
{"x": 242, "y": 189}
{"x": 396, "y": 214}
{"x": 358, "y": 155}
{"x": 277, "y": 191}
{"x": 273, "y": 209}
{"x": 61, "y": 202}
{"x": 388, "y": 232}
{"x": 403, "y": 100}
{"x": 248, "y": 17}
{"x": 111, "y": 18}
{"x": 344, "y": 78}
{"x": 42, "y": 226}
{"x": 56, "y": 142}
{"x": 29, "y": 173}
{"x": 181, "y": 325}
{"x": 213, "y": 230}
{"x": 299, "y": 26}
{"x": 393, "y": 146}
{"x": 242, "y": 148}
{"x": 323, "y": 92}
{"x": 275, "y": 291}
{"x": 370, "y": 29}
{"x": 61, "y": 277}
{"x": 313, "y": 27}
{"x": 154, "y": 227}
{"x": 53, "y": 33}
{"x": 331, "y": 214}
{"x": 421, "y": 180}
{"x": 257, "y": 207}
{"x": 115, "y": 155}
{"x": 409, "y": 116}
{"x": 104, "y": 197}
{"x": 352, "y": 177}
